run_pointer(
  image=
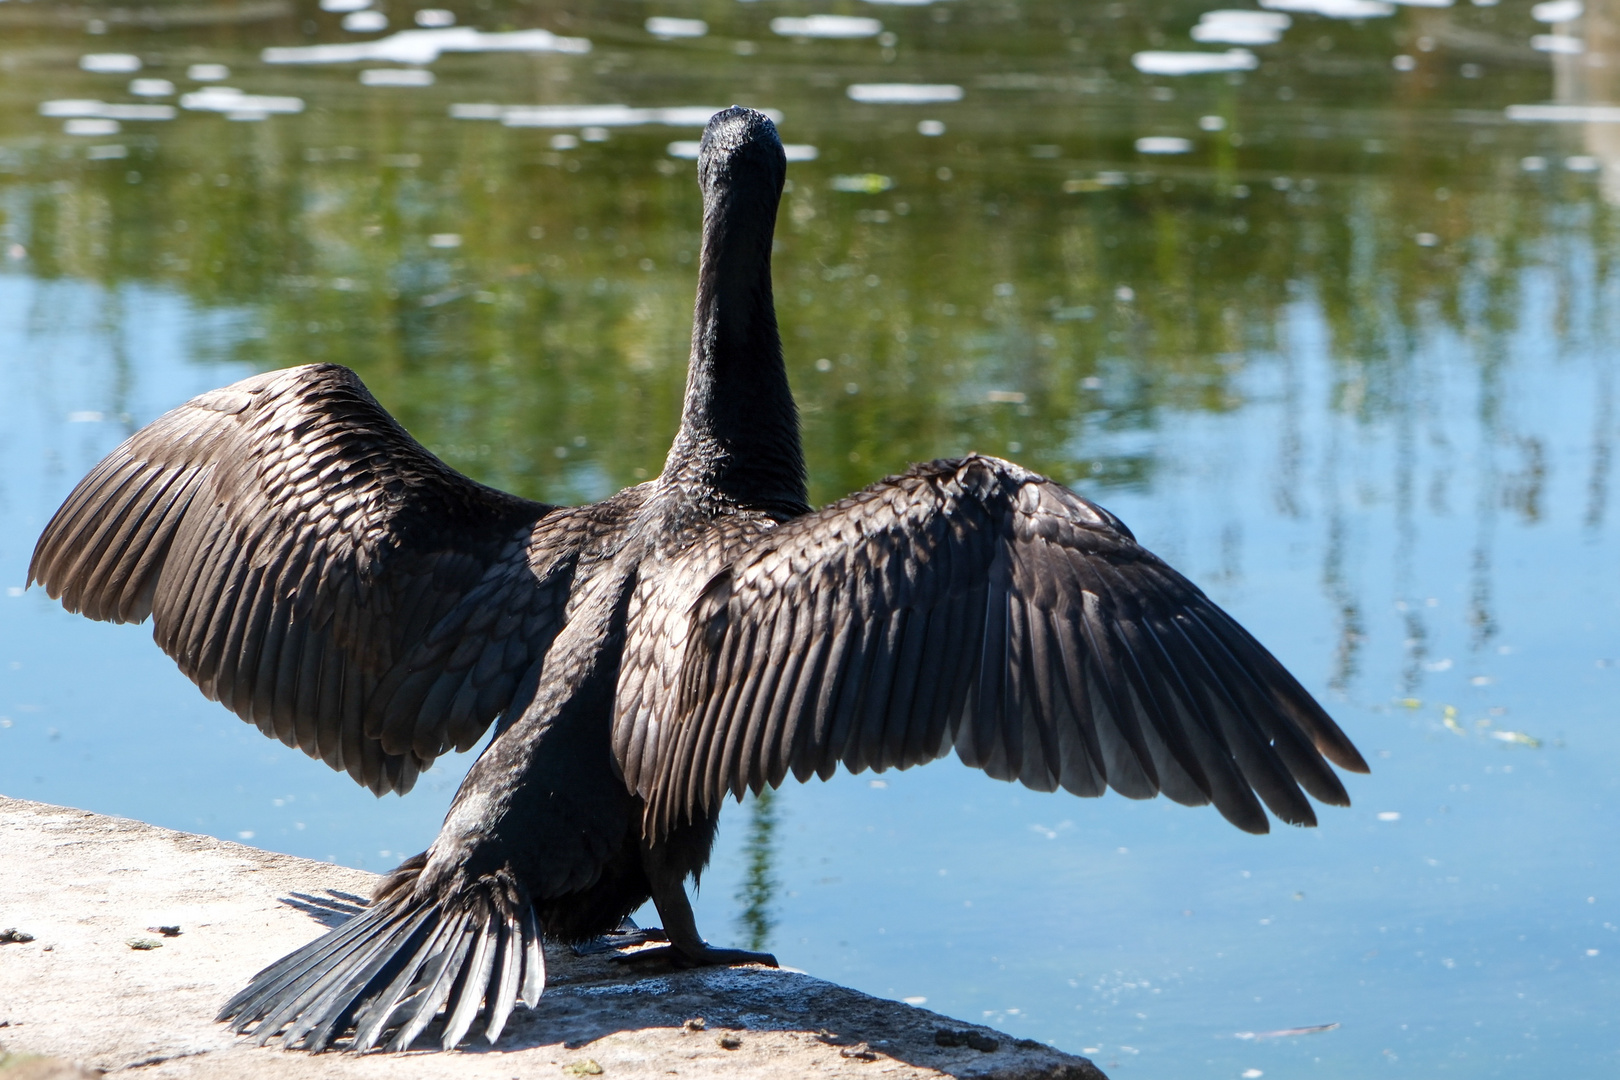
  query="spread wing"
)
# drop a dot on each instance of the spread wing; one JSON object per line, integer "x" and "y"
{"x": 970, "y": 605}
{"x": 312, "y": 567}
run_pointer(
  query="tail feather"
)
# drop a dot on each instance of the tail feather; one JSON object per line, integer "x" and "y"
{"x": 332, "y": 1013}
{"x": 438, "y": 977}
{"x": 506, "y": 987}
{"x": 316, "y": 977}
{"x": 267, "y": 983}
{"x": 469, "y": 990}
{"x": 397, "y": 966}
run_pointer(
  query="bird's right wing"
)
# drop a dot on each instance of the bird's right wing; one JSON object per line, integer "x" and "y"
{"x": 315, "y": 569}
{"x": 970, "y": 605}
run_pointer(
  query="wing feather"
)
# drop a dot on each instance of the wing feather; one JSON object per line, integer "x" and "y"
{"x": 304, "y": 560}
{"x": 970, "y": 605}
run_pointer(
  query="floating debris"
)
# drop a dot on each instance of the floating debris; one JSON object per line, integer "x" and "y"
{"x": 660, "y": 26}
{"x": 110, "y": 63}
{"x": 903, "y": 93}
{"x": 1163, "y": 144}
{"x": 1229, "y": 27}
{"x": 1412, "y": 702}
{"x": 1517, "y": 737}
{"x": 826, "y": 26}
{"x": 1389, "y": 815}
{"x": 1334, "y": 9}
{"x": 425, "y": 46}
{"x": 1450, "y": 720}
{"x": 1165, "y": 62}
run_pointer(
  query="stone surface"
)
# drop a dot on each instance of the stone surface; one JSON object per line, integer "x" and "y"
{"x": 86, "y": 887}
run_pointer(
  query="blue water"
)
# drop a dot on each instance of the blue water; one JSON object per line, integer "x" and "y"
{"x": 1348, "y": 362}
{"x": 1394, "y": 565}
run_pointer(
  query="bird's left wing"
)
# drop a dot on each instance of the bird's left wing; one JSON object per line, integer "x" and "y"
{"x": 971, "y": 605}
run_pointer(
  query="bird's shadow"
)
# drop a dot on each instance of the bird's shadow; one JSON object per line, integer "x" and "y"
{"x": 593, "y": 994}
{"x": 331, "y": 910}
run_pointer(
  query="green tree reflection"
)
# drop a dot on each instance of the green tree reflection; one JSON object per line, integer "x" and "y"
{"x": 757, "y": 892}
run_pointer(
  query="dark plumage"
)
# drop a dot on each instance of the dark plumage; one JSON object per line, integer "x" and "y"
{"x": 314, "y": 569}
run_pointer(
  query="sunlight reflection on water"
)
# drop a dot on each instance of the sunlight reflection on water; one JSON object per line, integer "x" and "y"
{"x": 1345, "y": 358}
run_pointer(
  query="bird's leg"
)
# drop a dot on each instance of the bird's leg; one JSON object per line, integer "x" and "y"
{"x": 668, "y": 883}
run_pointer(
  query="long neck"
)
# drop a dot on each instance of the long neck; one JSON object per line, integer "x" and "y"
{"x": 739, "y": 434}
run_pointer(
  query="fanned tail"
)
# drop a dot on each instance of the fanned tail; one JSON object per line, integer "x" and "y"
{"x": 386, "y": 973}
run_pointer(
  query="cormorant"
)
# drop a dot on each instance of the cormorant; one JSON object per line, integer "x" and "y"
{"x": 316, "y": 570}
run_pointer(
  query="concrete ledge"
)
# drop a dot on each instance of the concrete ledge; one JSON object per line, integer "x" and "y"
{"x": 90, "y": 991}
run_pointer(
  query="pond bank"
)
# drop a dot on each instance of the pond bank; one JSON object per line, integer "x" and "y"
{"x": 105, "y": 981}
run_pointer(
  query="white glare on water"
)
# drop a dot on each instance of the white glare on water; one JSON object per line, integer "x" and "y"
{"x": 434, "y": 18}
{"x": 76, "y": 107}
{"x": 573, "y": 116}
{"x": 687, "y": 150}
{"x": 1241, "y": 27}
{"x": 1558, "y": 44}
{"x": 1557, "y": 11}
{"x": 229, "y": 100}
{"x": 151, "y": 87}
{"x": 1163, "y": 144}
{"x": 425, "y": 46}
{"x": 1162, "y": 62}
{"x": 663, "y": 27}
{"x": 903, "y": 93}
{"x": 340, "y": 6}
{"x": 396, "y": 77}
{"x": 1334, "y": 9}
{"x": 207, "y": 72}
{"x": 365, "y": 22}
{"x": 110, "y": 63}
{"x": 826, "y": 26}
{"x": 1564, "y": 114}
{"x": 91, "y": 126}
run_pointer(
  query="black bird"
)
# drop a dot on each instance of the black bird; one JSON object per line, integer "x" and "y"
{"x": 313, "y": 568}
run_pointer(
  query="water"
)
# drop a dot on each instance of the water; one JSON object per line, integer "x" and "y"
{"x": 1346, "y": 360}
